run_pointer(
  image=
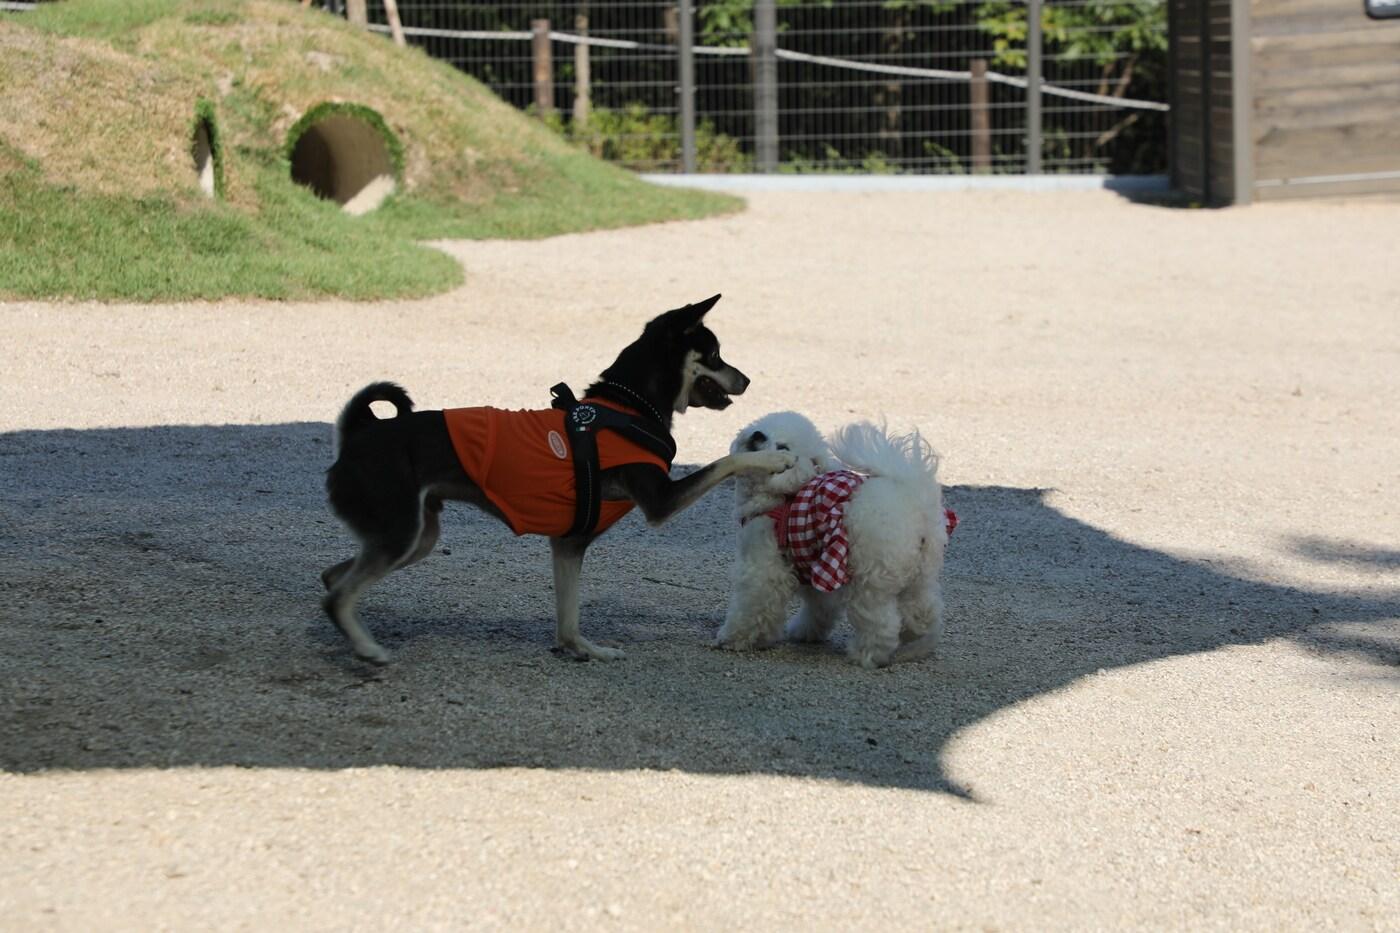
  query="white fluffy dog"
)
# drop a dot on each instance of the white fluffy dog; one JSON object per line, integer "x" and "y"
{"x": 892, "y": 537}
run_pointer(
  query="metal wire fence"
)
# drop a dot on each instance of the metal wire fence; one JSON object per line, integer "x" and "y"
{"x": 826, "y": 85}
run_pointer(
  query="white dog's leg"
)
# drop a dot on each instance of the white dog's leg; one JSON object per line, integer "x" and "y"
{"x": 755, "y": 618}
{"x": 818, "y": 616}
{"x": 568, "y": 564}
{"x": 760, "y": 590}
{"x": 874, "y": 615}
{"x": 921, "y": 613}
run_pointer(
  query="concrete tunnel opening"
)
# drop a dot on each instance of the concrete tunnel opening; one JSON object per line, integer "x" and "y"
{"x": 205, "y": 151}
{"x": 204, "y": 158}
{"x": 342, "y": 156}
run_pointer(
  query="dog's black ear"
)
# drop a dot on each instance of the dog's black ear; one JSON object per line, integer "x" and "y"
{"x": 685, "y": 320}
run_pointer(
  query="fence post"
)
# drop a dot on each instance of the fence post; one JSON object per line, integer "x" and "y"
{"x": 1033, "y": 76}
{"x": 765, "y": 47}
{"x": 981, "y": 118}
{"x": 391, "y": 13}
{"x": 583, "y": 94}
{"x": 357, "y": 12}
{"x": 544, "y": 66}
{"x": 686, "y": 51}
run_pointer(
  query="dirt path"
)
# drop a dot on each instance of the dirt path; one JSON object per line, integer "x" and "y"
{"x": 1171, "y": 691}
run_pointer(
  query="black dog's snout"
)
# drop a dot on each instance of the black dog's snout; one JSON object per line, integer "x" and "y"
{"x": 742, "y": 384}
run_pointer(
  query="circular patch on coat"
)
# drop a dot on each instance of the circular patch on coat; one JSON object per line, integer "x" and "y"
{"x": 584, "y": 414}
{"x": 556, "y": 444}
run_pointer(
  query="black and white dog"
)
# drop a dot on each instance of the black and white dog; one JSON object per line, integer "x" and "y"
{"x": 392, "y": 475}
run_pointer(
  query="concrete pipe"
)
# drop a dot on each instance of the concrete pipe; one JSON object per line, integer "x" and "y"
{"x": 345, "y": 153}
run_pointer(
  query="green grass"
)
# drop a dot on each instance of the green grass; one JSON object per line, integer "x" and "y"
{"x": 602, "y": 195}
{"x": 110, "y": 210}
{"x": 60, "y": 242}
{"x": 114, "y": 19}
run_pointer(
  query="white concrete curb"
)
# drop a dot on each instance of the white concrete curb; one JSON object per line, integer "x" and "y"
{"x": 1130, "y": 184}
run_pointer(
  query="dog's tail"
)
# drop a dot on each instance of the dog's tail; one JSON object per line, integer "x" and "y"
{"x": 356, "y": 413}
{"x": 871, "y": 448}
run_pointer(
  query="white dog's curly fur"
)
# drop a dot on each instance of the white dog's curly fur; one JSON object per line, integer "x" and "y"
{"x": 897, "y": 533}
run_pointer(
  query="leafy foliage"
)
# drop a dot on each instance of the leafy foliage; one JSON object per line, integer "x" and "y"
{"x": 1111, "y": 47}
{"x": 635, "y": 136}
{"x": 1124, "y": 40}
{"x": 1109, "y": 33}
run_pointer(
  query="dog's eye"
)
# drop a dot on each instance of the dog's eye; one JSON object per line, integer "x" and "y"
{"x": 756, "y": 440}
{"x": 782, "y": 446}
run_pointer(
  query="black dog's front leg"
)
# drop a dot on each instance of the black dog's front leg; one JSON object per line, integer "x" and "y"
{"x": 568, "y": 563}
{"x": 659, "y": 497}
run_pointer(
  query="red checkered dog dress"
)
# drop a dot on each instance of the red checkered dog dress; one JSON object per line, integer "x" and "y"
{"x": 811, "y": 529}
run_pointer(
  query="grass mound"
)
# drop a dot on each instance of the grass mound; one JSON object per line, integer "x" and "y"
{"x": 100, "y": 196}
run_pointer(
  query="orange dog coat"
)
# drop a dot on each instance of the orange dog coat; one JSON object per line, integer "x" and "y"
{"x": 523, "y": 463}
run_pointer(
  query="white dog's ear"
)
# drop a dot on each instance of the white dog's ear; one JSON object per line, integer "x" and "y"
{"x": 748, "y": 440}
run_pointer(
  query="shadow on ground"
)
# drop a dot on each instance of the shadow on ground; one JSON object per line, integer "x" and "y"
{"x": 160, "y": 597}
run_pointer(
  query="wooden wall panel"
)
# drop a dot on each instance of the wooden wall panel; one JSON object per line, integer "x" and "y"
{"x": 1378, "y": 187}
{"x": 1367, "y": 148}
{"x": 1326, "y": 98}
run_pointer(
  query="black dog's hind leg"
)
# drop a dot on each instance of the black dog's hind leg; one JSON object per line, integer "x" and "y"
{"x": 427, "y": 540}
{"x": 430, "y": 529}
{"x": 333, "y": 573}
{"x": 369, "y": 567}
{"x": 382, "y": 550}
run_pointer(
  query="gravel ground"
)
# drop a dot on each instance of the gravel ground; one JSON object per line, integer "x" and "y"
{"x": 1169, "y": 695}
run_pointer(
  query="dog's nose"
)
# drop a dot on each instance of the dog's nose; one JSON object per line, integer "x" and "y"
{"x": 741, "y": 384}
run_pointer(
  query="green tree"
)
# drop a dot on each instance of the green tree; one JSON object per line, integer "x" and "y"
{"x": 1125, "y": 40}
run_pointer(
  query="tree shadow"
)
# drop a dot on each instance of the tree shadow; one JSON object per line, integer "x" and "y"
{"x": 161, "y": 609}
{"x": 1348, "y": 553}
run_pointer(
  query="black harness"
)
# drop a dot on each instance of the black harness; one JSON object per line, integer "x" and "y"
{"x": 582, "y": 422}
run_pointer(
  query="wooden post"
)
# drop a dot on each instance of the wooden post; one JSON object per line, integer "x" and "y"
{"x": 583, "y": 102}
{"x": 686, "y": 67}
{"x": 357, "y": 12}
{"x": 391, "y": 13}
{"x": 544, "y": 66}
{"x": 980, "y": 117}
{"x": 765, "y": 91}
{"x": 1207, "y": 104}
{"x": 1033, "y": 75}
{"x": 1242, "y": 103}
